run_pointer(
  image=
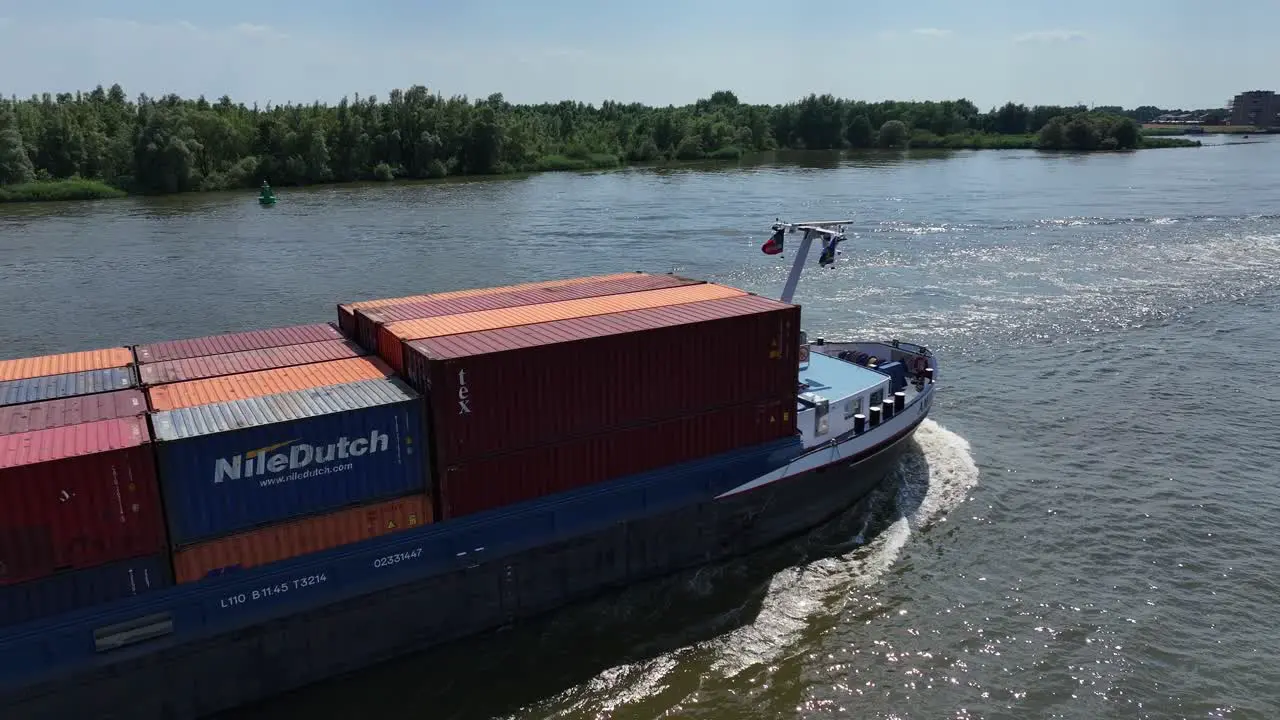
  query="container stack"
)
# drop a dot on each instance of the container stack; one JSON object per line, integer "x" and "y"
{"x": 369, "y": 321}
{"x": 278, "y": 443}
{"x": 49, "y": 377}
{"x": 530, "y": 401}
{"x": 393, "y": 336}
{"x": 81, "y": 520}
{"x": 127, "y": 470}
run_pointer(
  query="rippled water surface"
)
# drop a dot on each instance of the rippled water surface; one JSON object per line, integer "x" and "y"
{"x": 1087, "y": 527}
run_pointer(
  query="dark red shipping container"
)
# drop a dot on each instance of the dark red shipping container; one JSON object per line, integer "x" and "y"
{"x": 501, "y": 480}
{"x": 208, "y": 366}
{"x": 76, "y": 497}
{"x": 71, "y": 411}
{"x": 237, "y": 342}
{"x": 369, "y": 319}
{"x": 502, "y": 390}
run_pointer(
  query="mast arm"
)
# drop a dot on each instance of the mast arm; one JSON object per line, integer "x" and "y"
{"x": 797, "y": 267}
{"x": 829, "y": 230}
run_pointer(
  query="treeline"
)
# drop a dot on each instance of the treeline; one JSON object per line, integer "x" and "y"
{"x": 170, "y": 144}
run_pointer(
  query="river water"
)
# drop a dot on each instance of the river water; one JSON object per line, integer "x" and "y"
{"x": 1087, "y": 528}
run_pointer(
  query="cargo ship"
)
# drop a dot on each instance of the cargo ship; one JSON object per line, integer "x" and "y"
{"x": 187, "y": 527}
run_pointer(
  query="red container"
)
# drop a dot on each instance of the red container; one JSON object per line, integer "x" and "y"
{"x": 71, "y": 411}
{"x": 236, "y": 342}
{"x": 503, "y": 390}
{"x": 197, "y": 368}
{"x": 501, "y": 480}
{"x": 368, "y": 320}
{"x": 76, "y": 497}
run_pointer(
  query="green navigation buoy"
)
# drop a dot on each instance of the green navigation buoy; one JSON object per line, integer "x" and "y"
{"x": 266, "y": 196}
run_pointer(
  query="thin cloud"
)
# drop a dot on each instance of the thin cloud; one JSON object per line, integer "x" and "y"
{"x": 260, "y": 31}
{"x": 1050, "y": 36}
{"x": 932, "y": 32}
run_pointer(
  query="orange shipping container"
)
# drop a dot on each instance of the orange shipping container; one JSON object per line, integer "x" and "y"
{"x": 74, "y": 362}
{"x": 392, "y": 336}
{"x": 300, "y": 537}
{"x": 346, "y": 311}
{"x": 265, "y": 382}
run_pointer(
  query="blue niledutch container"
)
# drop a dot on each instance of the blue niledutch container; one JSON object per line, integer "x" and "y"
{"x": 67, "y": 591}
{"x": 231, "y": 466}
{"x": 49, "y": 387}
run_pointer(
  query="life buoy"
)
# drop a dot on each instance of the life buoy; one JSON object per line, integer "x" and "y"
{"x": 919, "y": 365}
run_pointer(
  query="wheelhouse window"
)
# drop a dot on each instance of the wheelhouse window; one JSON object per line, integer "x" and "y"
{"x": 852, "y": 407}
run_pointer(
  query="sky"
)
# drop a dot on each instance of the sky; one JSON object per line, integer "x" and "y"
{"x": 1175, "y": 53}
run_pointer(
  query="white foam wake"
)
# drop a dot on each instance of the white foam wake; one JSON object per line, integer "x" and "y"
{"x": 928, "y": 486}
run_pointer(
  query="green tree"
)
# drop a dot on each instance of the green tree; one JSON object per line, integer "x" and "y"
{"x": 171, "y": 144}
{"x": 860, "y": 134}
{"x": 1126, "y": 134}
{"x": 893, "y": 134}
{"x": 1081, "y": 134}
{"x": 1053, "y": 134}
{"x": 15, "y": 165}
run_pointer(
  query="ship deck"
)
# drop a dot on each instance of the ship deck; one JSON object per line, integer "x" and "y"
{"x": 836, "y": 379}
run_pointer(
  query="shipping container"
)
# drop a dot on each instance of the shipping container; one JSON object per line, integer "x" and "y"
{"x": 368, "y": 320}
{"x": 78, "y": 589}
{"x": 77, "y": 496}
{"x": 392, "y": 335}
{"x": 346, "y": 311}
{"x": 265, "y": 382}
{"x": 48, "y": 387}
{"x": 299, "y": 537}
{"x": 71, "y": 411}
{"x": 207, "y": 366}
{"x": 231, "y": 466}
{"x": 500, "y": 480}
{"x": 61, "y": 364}
{"x": 502, "y": 390}
{"x": 237, "y": 342}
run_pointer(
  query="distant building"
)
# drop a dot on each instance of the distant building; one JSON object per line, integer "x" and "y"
{"x": 1260, "y": 108}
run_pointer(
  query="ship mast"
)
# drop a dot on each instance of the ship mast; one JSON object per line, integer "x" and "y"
{"x": 832, "y": 234}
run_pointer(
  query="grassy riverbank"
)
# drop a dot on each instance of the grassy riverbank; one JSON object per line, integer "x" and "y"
{"x": 170, "y": 144}
{"x": 1165, "y": 130}
{"x": 51, "y": 190}
{"x": 987, "y": 141}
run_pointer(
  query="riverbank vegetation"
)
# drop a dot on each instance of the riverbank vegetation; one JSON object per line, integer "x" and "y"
{"x": 1163, "y": 130}
{"x": 68, "y": 189}
{"x": 102, "y": 142}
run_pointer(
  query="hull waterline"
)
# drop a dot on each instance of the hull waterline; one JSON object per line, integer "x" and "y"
{"x": 216, "y": 674}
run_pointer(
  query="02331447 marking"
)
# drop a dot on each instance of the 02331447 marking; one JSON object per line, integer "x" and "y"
{"x": 397, "y": 558}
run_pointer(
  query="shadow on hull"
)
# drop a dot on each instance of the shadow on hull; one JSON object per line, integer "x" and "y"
{"x": 499, "y": 673}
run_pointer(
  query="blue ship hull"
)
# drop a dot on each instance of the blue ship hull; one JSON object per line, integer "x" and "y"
{"x": 193, "y": 650}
